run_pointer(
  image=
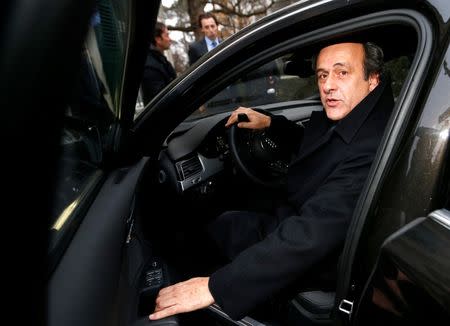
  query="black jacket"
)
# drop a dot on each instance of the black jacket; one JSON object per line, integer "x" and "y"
{"x": 324, "y": 183}
{"x": 158, "y": 72}
{"x": 196, "y": 50}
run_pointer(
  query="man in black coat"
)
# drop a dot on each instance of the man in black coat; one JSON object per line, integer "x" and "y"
{"x": 303, "y": 235}
{"x": 209, "y": 27}
{"x": 158, "y": 71}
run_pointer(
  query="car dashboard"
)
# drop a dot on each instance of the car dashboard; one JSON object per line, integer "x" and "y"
{"x": 198, "y": 150}
{"x": 195, "y": 152}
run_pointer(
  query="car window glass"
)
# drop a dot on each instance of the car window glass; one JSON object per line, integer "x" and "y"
{"x": 87, "y": 122}
{"x": 111, "y": 35}
{"x": 272, "y": 82}
{"x": 397, "y": 69}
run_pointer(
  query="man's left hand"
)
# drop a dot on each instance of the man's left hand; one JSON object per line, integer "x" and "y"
{"x": 182, "y": 297}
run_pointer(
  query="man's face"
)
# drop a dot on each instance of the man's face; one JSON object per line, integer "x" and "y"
{"x": 209, "y": 28}
{"x": 340, "y": 78}
{"x": 163, "y": 42}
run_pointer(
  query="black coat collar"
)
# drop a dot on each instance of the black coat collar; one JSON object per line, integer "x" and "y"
{"x": 318, "y": 130}
{"x": 349, "y": 126}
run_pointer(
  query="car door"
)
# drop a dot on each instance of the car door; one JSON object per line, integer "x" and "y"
{"x": 68, "y": 70}
{"x": 92, "y": 271}
{"x": 409, "y": 284}
{"x": 38, "y": 62}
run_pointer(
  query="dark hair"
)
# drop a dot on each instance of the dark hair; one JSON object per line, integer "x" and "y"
{"x": 373, "y": 59}
{"x": 206, "y": 15}
{"x": 159, "y": 29}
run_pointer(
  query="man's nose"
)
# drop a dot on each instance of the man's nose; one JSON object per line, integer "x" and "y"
{"x": 329, "y": 85}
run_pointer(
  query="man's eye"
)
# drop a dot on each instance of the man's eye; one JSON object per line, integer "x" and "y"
{"x": 343, "y": 73}
{"x": 322, "y": 76}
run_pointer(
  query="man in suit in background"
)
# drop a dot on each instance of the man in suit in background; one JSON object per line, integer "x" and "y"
{"x": 158, "y": 71}
{"x": 208, "y": 25}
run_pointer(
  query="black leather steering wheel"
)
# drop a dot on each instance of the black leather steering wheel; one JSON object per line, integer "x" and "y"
{"x": 254, "y": 155}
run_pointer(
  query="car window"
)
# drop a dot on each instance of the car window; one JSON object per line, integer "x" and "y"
{"x": 93, "y": 109}
{"x": 274, "y": 82}
{"x": 111, "y": 35}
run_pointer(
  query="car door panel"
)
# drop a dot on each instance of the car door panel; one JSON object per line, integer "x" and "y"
{"x": 411, "y": 280}
{"x": 83, "y": 288}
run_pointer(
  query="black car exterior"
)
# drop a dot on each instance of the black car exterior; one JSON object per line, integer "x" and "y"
{"x": 116, "y": 175}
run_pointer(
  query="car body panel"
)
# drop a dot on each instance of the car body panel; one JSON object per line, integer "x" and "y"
{"x": 410, "y": 283}
{"x": 95, "y": 256}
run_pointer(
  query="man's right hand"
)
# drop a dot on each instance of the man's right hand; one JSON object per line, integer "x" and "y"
{"x": 256, "y": 120}
{"x": 186, "y": 296}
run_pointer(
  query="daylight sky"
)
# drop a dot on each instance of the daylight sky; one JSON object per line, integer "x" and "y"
{"x": 167, "y": 3}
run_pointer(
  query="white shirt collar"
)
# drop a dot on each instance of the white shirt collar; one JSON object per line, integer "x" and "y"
{"x": 208, "y": 43}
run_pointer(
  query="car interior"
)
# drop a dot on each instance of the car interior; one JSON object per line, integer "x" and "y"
{"x": 199, "y": 170}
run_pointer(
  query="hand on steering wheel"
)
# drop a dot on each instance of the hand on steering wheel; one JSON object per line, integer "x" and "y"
{"x": 255, "y": 154}
{"x": 248, "y": 118}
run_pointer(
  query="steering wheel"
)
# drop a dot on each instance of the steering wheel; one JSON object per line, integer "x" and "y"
{"x": 257, "y": 156}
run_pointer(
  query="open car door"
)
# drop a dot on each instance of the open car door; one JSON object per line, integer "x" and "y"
{"x": 90, "y": 239}
{"x": 69, "y": 71}
{"x": 410, "y": 282}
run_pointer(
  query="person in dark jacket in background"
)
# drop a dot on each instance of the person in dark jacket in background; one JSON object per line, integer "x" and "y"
{"x": 304, "y": 234}
{"x": 158, "y": 71}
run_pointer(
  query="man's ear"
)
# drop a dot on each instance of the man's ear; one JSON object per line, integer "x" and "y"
{"x": 374, "y": 80}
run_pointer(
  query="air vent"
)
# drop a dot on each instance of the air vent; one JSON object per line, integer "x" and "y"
{"x": 189, "y": 168}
